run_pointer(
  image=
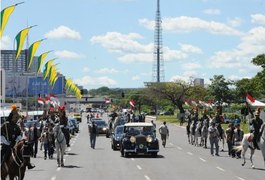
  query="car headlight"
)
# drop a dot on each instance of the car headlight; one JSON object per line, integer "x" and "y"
{"x": 132, "y": 139}
{"x": 104, "y": 129}
{"x": 149, "y": 139}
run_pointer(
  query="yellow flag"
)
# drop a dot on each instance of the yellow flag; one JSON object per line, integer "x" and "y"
{"x": 20, "y": 38}
{"x": 5, "y": 14}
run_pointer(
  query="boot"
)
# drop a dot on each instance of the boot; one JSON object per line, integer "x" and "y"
{"x": 30, "y": 166}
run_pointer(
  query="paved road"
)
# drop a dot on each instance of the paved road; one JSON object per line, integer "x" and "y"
{"x": 178, "y": 161}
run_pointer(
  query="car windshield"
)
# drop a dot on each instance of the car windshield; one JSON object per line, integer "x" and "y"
{"x": 119, "y": 130}
{"x": 73, "y": 121}
{"x": 100, "y": 123}
{"x": 137, "y": 130}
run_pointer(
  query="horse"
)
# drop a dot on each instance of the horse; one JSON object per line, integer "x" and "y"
{"x": 221, "y": 134}
{"x": 204, "y": 133}
{"x": 188, "y": 129}
{"x": 198, "y": 133}
{"x": 15, "y": 165}
{"x": 247, "y": 143}
{"x": 192, "y": 131}
{"x": 60, "y": 144}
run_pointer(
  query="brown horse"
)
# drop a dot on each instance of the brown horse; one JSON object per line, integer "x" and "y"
{"x": 15, "y": 165}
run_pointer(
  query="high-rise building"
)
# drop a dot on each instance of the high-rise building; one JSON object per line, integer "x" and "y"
{"x": 198, "y": 82}
{"x": 10, "y": 64}
{"x": 3, "y": 86}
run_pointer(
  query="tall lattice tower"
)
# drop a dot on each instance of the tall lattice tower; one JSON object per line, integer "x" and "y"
{"x": 158, "y": 64}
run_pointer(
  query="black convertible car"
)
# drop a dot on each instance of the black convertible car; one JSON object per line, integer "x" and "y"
{"x": 139, "y": 138}
{"x": 116, "y": 137}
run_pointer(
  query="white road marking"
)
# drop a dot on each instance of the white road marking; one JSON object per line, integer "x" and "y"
{"x": 221, "y": 169}
{"x": 202, "y": 159}
{"x": 240, "y": 178}
{"x": 189, "y": 153}
{"x": 58, "y": 169}
{"x": 171, "y": 144}
{"x": 179, "y": 148}
{"x": 66, "y": 155}
{"x": 139, "y": 167}
{"x": 147, "y": 178}
{"x": 53, "y": 178}
{"x": 132, "y": 159}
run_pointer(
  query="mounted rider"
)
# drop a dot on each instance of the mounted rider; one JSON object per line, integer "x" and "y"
{"x": 10, "y": 134}
{"x": 64, "y": 124}
{"x": 256, "y": 124}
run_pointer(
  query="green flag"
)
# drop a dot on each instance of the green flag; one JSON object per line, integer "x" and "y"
{"x": 41, "y": 59}
{"x": 5, "y": 14}
{"x": 32, "y": 51}
{"x": 20, "y": 38}
{"x": 47, "y": 68}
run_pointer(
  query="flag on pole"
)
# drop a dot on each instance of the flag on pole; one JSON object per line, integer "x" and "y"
{"x": 132, "y": 103}
{"x": 5, "y": 14}
{"x": 41, "y": 101}
{"x": 47, "y": 100}
{"x": 47, "y": 68}
{"x": 41, "y": 59}
{"x": 32, "y": 51}
{"x": 251, "y": 101}
{"x": 20, "y": 38}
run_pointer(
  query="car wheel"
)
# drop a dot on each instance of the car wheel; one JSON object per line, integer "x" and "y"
{"x": 154, "y": 154}
{"x": 126, "y": 154}
{"x": 122, "y": 152}
{"x": 112, "y": 146}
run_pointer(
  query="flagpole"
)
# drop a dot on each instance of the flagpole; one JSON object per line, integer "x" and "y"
{"x": 13, "y": 82}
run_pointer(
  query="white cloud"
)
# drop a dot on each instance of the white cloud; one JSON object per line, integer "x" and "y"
{"x": 258, "y": 19}
{"x": 130, "y": 50}
{"x": 235, "y": 77}
{"x": 87, "y": 81}
{"x": 86, "y": 69}
{"x": 190, "y": 48}
{"x": 235, "y": 22}
{"x": 5, "y": 43}
{"x": 252, "y": 44}
{"x": 135, "y": 78}
{"x": 212, "y": 11}
{"x": 186, "y": 24}
{"x": 120, "y": 43}
{"x": 191, "y": 66}
{"x": 106, "y": 71}
{"x": 67, "y": 54}
{"x": 186, "y": 76}
{"x": 63, "y": 32}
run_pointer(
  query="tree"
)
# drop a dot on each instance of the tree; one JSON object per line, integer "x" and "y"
{"x": 259, "y": 79}
{"x": 219, "y": 89}
{"x": 174, "y": 92}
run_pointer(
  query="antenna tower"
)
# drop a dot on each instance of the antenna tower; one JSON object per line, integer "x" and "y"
{"x": 158, "y": 62}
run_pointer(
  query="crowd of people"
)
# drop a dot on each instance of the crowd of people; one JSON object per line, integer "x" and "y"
{"x": 41, "y": 131}
{"x": 209, "y": 127}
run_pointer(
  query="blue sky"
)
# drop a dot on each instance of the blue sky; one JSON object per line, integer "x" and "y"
{"x": 110, "y": 42}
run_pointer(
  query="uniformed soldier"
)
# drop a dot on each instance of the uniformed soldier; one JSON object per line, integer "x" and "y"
{"x": 256, "y": 123}
{"x": 64, "y": 123}
{"x": 10, "y": 134}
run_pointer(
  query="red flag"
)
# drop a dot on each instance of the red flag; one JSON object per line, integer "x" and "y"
{"x": 250, "y": 99}
{"x": 132, "y": 103}
{"x": 41, "y": 101}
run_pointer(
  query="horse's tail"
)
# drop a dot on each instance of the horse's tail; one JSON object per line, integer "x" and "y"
{"x": 238, "y": 148}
